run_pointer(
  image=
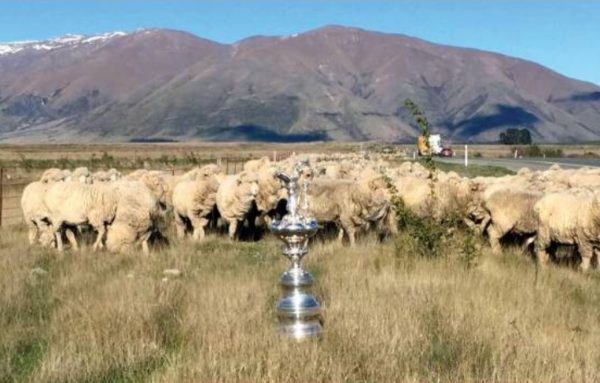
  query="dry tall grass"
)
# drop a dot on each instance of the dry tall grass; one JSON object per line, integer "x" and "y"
{"x": 390, "y": 316}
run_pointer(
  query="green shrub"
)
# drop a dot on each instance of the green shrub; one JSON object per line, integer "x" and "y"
{"x": 425, "y": 236}
{"x": 26, "y": 163}
{"x": 537, "y": 151}
{"x": 471, "y": 251}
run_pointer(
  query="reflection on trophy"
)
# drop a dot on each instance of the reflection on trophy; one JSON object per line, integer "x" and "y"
{"x": 299, "y": 312}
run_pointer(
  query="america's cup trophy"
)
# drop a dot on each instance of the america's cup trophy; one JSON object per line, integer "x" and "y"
{"x": 299, "y": 312}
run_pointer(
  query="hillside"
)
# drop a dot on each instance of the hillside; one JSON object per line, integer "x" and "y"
{"x": 332, "y": 83}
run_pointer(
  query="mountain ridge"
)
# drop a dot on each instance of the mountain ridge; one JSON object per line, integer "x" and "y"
{"x": 333, "y": 82}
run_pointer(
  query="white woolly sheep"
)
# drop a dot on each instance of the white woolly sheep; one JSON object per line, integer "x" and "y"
{"x": 565, "y": 218}
{"x": 235, "y": 197}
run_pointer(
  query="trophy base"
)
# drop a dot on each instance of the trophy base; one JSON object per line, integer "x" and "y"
{"x": 301, "y": 330}
{"x": 298, "y": 305}
{"x": 296, "y": 277}
{"x": 299, "y": 315}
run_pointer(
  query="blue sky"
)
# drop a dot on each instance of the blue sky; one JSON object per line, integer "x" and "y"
{"x": 563, "y": 35}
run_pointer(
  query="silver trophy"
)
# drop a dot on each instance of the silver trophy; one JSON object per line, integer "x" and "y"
{"x": 299, "y": 312}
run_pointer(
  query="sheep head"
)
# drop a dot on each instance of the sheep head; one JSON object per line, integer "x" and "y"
{"x": 55, "y": 175}
{"x": 269, "y": 189}
{"x": 114, "y": 174}
{"x": 154, "y": 182}
{"x": 377, "y": 183}
{"x": 249, "y": 182}
{"x": 208, "y": 171}
{"x": 82, "y": 175}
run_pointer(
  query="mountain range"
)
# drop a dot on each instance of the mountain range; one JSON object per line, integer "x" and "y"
{"x": 331, "y": 83}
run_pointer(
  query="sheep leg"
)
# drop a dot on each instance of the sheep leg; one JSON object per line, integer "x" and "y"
{"x": 483, "y": 225}
{"x": 494, "y": 235}
{"x": 32, "y": 233}
{"x": 72, "y": 239}
{"x": 179, "y": 226}
{"x": 199, "y": 224}
{"x": 145, "y": 244}
{"x": 351, "y": 237}
{"x": 541, "y": 248}
{"x": 587, "y": 251}
{"x": 267, "y": 220}
{"x": 59, "y": 243}
{"x": 233, "y": 228}
{"x": 101, "y": 232}
{"x": 340, "y": 236}
{"x": 392, "y": 221}
{"x": 349, "y": 229}
{"x": 469, "y": 223}
{"x": 527, "y": 243}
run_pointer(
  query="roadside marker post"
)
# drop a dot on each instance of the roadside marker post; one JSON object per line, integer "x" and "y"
{"x": 466, "y": 155}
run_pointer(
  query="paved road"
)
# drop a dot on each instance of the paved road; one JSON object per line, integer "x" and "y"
{"x": 533, "y": 164}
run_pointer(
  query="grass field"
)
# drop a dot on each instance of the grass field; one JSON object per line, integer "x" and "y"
{"x": 131, "y": 154}
{"x": 390, "y": 315}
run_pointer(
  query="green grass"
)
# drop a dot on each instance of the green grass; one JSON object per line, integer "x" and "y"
{"x": 474, "y": 170}
{"x": 392, "y": 313}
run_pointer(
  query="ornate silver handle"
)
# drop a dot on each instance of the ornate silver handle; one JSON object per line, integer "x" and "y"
{"x": 284, "y": 177}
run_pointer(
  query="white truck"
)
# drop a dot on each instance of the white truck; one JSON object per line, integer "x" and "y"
{"x": 434, "y": 145}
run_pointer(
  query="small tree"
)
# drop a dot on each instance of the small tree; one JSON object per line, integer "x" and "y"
{"x": 515, "y": 137}
{"x": 525, "y": 137}
{"x": 419, "y": 116}
{"x": 424, "y": 126}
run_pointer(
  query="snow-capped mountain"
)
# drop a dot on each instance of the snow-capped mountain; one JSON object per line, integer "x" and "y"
{"x": 65, "y": 41}
{"x": 333, "y": 83}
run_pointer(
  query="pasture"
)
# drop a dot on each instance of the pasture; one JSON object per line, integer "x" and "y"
{"x": 430, "y": 303}
{"x": 390, "y": 315}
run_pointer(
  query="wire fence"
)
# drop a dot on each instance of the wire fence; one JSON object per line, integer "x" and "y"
{"x": 13, "y": 181}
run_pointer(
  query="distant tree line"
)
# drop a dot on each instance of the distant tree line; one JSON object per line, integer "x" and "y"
{"x": 515, "y": 137}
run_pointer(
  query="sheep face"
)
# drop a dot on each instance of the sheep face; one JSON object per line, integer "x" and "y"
{"x": 248, "y": 182}
{"x": 114, "y": 175}
{"x": 208, "y": 171}
{"x": 253, "y": 188}
{"x": 82, "y": 175}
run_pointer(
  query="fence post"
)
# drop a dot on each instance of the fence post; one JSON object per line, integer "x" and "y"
{"x": 1, "y": 192}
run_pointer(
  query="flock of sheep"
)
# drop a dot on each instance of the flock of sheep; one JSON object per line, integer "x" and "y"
{"x": 353, "y": 192}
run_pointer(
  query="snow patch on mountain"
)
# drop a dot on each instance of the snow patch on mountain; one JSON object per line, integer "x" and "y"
{"x": 69, "y": 40}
